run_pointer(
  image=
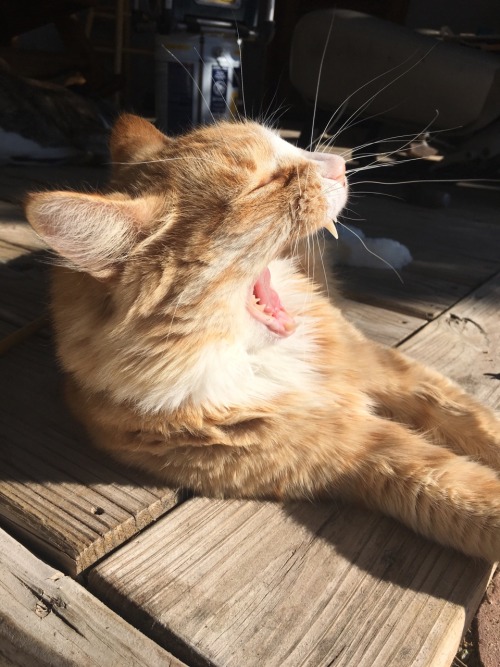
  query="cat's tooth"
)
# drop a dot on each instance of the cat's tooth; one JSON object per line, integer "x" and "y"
{"x": 329, "y": 224}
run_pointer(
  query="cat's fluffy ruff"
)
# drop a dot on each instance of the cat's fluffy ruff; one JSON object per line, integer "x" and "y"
{"x": 169, "y": 370}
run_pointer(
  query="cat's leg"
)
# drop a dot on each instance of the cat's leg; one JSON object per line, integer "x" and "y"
{"x": 430, "y": 403}
{"x": 439, "y": 494}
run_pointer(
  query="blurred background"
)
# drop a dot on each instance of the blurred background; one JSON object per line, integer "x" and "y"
{"x": 357, "y": 70}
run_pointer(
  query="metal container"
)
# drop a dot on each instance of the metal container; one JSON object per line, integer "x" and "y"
{"x": 196, "y": 78}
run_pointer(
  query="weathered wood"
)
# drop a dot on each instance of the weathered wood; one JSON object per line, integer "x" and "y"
{"x": 46, "y": 618}
{"x": 232, "y": 583}
{"x": 422, "y": 295}
{"x": 246, "y": 583}
{"x": 15, "y": 230}
{"x": 21, "y": 334}
{"x": 17, "y": 181}
{"x": 9, "y": 251}
{"x": 385, "y": 326}
{"x": 55, "y": 490}
{"x": 11, "y": 213}
{"x": 464, "y": 343}
{"x": 21, "y": 235}
{"x": 454, "y": 250}
{"x": 443, "y": 235}
{"x": 24, "y": 289}
{"x": 252, "y": 583}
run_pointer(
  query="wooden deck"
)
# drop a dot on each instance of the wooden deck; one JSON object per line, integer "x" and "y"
{"x": 98, "y": 566}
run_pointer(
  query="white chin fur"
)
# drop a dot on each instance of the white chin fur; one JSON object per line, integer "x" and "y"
{"x": 336, "y": 197}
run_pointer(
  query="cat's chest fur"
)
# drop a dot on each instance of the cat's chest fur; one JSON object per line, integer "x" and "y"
{"x": 243, "y": 366}
{"x": 194, "y": 351}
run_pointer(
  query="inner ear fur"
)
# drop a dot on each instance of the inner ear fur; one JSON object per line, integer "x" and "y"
{"x": 134, "y": 139}
{"x": 93, "y": 232}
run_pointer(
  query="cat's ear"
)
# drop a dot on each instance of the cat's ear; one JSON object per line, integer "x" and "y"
{"x": 94, "y": 232}
{"x": 135, "y": 139}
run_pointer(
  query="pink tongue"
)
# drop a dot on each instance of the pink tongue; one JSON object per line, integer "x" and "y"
{"x": 274, "y": 315}
{"x": 263, "y": 291}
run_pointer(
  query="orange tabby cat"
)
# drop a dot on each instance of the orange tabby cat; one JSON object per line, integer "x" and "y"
{"x": 195, "y": 349}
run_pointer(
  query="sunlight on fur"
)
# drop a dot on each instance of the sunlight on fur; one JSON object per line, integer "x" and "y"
{"x": 195, "y": 347}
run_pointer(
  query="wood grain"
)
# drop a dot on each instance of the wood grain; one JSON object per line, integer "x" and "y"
{"x": 17, "y": 181}
{"x": 9, "y": 251}
{"x": 384, "y": 326}
{"x": 243, "y": 583}
{"x": 15, "y": 230}
{"x": 443, "y": 236}
{"x": 24, "y": 290}
{"x": 55, "y": 490}
{"x": 47, "y": 619}
{"x": 454, "y": 249}
{"x": 422, "y": 295}
{"x": 21, "y": 334}
{"x": 239, "y": 583}
{"x": 464, "y": 343}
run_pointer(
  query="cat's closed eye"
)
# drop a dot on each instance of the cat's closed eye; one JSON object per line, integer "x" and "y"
{"x": 222, "y": 368}
{"x": 265, "y": 180}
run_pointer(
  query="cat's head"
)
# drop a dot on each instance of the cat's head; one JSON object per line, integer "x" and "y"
{"x": 196, "y": 217}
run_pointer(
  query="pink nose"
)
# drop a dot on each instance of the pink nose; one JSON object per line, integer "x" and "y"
{"x": 334, "y": 168}
{"x": 330, "y": 165}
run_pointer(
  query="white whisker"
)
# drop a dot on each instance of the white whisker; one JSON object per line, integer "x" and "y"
{"x": 344, "y": 103}
{"x": 371, "y": 251}
{"x": 192, "y": 78}
{"x": 319, "y": 80}
{"x": 392, "y": 82}
{"x": 239, "y": 42}
{"x": 383, "y": 165}
{"x": 457, "y": 181}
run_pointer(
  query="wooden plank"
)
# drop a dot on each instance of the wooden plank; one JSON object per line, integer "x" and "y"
{"x": 55, "y": 490}
{"x": 245, "y": 583}
{"x": 442, "y": 243}
{"x": 15, "y": 230}
{"x": 46, "y": 618}
{"x": 23, "y": 289}
{"x": 9, "y": 251}
{"x": 385, "y": 326}
{"x": 231, "y": 583}
{"x": 12, "y": 336}
{"x": 464, "y": 343}
{"x": 23, "y": 280}
{"x": 466, "y": 201}
{"x": 17, "y": 181}
{"x": 422, "y": 294}
{"x": 21, "y": 235}
{"x": 438, "y": 233}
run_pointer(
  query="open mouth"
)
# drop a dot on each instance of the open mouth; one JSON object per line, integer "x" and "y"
{"x": 265, "y": 306}
{"x": 264, "y": 303}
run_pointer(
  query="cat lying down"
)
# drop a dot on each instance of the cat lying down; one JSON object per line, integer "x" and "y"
{"x": 195, "y": 349}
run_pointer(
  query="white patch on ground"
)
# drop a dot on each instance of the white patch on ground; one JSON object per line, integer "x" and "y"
{"x": 18, "y": 149}
{"x": 355, "y": 249}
